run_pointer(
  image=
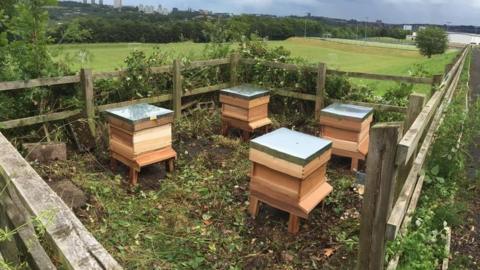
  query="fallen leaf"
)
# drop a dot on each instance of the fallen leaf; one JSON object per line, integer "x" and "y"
{"x": 327, "y": 252}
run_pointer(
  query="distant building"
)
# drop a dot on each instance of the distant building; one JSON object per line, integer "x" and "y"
{"x": 204, "y": 12}
{"x": 93, "y": 2}
{"x": 407, "y": 27}
{"x": 85, "y": 1}
{"x": 117, "y": 3}
{"x": 100, "y": 2}
{"x": 422, "y": 28}
{"x": 413, "y": 36}
{"x": 163, "y": 11}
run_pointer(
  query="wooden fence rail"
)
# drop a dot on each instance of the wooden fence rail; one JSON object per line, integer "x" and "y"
{"x": 409, "y": 157}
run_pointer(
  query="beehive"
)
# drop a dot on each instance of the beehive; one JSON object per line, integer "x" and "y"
{"x": 140, "y": 135}
{"x": 244, "y": 107}
{"x": 289, "y": 173}
{"x": 347, "y": 126}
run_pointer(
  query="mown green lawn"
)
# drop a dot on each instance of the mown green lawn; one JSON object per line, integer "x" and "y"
{"x": 342, "y": 56}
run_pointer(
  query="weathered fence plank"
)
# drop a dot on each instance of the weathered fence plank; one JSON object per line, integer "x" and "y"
{"x": 156, "y": 99}
{"x": 207, "y": 63}
{"x": 6, "y": 86}
{"x": 392, "y": 265}
{"x": 382, "y": 77}
{"x": 379, "y": 193}
{"x": 38, "y": 119}
{"x": 177, "y": 88}
{"x": 412, "y": 137}
{"x": 86, "y": 79}
{"x": 415, "y": 105}
{"x": 36, "y": 256}
{"x": 206, "y": 89}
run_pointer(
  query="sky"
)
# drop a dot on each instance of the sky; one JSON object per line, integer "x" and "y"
{"x": 466, "y": 12}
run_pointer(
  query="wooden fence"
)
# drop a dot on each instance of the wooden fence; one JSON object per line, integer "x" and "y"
{"x": 397, "y": 153}
{"x": 66, "y": 241}
{"x": 86, "y": 79}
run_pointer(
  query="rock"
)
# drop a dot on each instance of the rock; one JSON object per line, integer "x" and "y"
{"x": 72, "y": 196}
{"x": 45, "y": 152}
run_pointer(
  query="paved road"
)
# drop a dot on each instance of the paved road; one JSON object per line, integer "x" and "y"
{"x": 475, "y": 74}
{"x": 467, "y": 238}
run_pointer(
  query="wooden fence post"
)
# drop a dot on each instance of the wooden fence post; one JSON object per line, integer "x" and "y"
{"x": 86, "y": 81}
{"x": 415, "y": 105}
{"x": 177, "y": 89}
{"x": 234, "y": 59}
{"x": 379, "y": 194}
{"x": 320, "y": 90}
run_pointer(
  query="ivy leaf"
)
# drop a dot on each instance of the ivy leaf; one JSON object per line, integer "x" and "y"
{"x": 435, "y": 170}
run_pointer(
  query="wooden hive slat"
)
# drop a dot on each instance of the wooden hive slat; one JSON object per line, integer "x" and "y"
{"x": 152, "y": 139}
{"x": 313, "y": 181}
{"x": 154, "y": 156}
{"x": 122, "y": 149}
{"x": 258, "y": 112}
{"x": 282, "y": 187}
{"x": 141, "y": 125}
{"x": 287, "y": 167}
{"x": 346, "y": 135}
{"x": 251, "y": 114}
{"x": 315, "y": 197}
{"x": 244, "y": 103}
{"x": 268, "y": 180}
{"x": 346, "y": 124}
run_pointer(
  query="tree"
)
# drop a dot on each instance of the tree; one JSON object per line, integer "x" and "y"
{"x": 432, "y": 40}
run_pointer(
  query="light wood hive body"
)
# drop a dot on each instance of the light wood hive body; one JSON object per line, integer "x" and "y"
{"x": 245, "y": 107}
{"x": 350, "y": 136}
{"x": 286, "y": 184}
{"x": 141, "y": 143}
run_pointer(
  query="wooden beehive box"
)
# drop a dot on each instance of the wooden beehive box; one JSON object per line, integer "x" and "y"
{"x": 245, "y": 103}
{"x": 139, "y": 129}
{"x": 289, "y": 170}
{"x": 347, "y": 126}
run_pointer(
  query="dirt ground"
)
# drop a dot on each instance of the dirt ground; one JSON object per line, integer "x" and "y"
{"x": 118, "y": 217}
{"x": 466, "y": 239}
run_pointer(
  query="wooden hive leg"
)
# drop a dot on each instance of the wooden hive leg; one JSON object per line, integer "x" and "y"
{"x": 133, "y": 176}
{"x": 113, "y": 164}
{"x": 224, "y": 128}
{"x": 170, "y": 165}
{"x": 293, "y": 224}
{"x": 245, "y": 135}
{"x": 267, "y": 129}
{"x": 254, "y": 206}
{"x": 354, "y": 165}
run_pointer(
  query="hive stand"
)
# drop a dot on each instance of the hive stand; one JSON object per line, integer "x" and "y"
{"x": 288, "y": 173}
{"x": 246, "y": 108}
{"x": 140, "y": 135}
{"x": 348, "y": 127}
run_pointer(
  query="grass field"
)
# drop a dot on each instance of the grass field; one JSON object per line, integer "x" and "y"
{"x": 337, "y": 55}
